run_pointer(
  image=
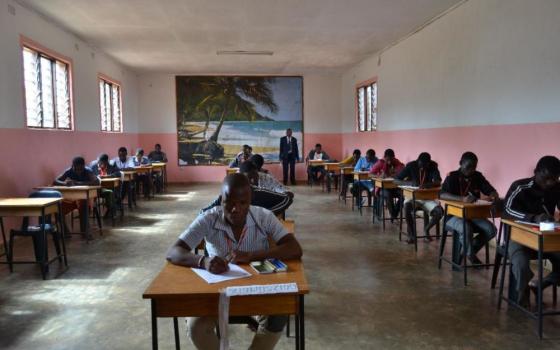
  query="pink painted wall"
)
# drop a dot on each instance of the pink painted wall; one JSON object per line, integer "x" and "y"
{"x": 332, "y": 144}
{"x": 36, "y": 157}
{"x": 505, "y": 152}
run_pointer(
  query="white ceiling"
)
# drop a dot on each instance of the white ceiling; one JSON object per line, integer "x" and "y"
{"x": 184, "y": 35}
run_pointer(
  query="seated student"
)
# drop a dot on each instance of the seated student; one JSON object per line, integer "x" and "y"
{"x": 260, "y": 179}
{"x": 104, "y": 169}
{"x": 423, "y": 173}
{"x": 240, "y": 233}
{"x": 77, "y": 175}
{"x": 276, "y": 202}
{"x": 144, "y": 179}
{"x": 259, "y": 162}
{"x": 349, "y": 162}
{"x": 316, "y": 173}
{"x": 364, "y": 164}
{"x": 534, "y": 200}
{"x": 157, "y": 155}
{"x": 242, "y": 156}
{"x": 466, "y": 185}
{"x": 389, "y": 166}
{"x": 124, "y": 162}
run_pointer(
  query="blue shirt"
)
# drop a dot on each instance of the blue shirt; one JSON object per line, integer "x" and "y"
{"x": 144, "y": 161}
{"x": 364, "y": 165}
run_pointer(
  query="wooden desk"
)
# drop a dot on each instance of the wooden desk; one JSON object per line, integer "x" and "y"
{"x": 414, "y": 194}
{"x": 465, "y": 211}
{"x": 332, "y": 166}
{"x": 383, "y": 184}
{"x": 231, "y": 171}
{"x": 79, "y": 193}
{"x": 128, "y": 180}
{"x": 360, "y": 175}
{"x": 316, "y": 162}
{"x": 178, "y": 292}
{"x": 161, "y": 167}
{"x": 143, "y": 169}
{"x": 110, "y": 183}
{"x": 33, "y": 207}
{"x": 146, "y": 170}
{"x": 539, "y": 241}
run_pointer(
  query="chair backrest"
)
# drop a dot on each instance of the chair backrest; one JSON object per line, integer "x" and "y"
{"x": 45, "y": 194}
{"x": 40, "y": 194}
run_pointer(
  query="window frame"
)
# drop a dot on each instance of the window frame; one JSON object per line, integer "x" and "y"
{"x": 107, "y": 79}
{"x": 28, "y": 43}
{"x": 364, "y": 85}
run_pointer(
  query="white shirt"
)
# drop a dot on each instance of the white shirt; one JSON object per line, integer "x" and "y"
{"x": 289, "y": 140}
{"x": 318, "y": 156}
{"x": 128, "y": 163}
{"x": 220, "y": 240}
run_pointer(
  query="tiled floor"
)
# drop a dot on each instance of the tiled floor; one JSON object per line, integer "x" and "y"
{"x": 369, "y": 291}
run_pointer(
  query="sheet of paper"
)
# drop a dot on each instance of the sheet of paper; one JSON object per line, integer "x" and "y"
{"x": 259, "y": 289}
{"x": 410, "y": 187}
{"x": 556, "y": 225}
{"x": 482, "y": 202}
{"x": 234, "y": 272}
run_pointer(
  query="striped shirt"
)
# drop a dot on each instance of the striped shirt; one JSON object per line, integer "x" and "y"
{"x": 218, "y": 236}
{"x": 525, "y": 200}
{"x": 268, "y": 182}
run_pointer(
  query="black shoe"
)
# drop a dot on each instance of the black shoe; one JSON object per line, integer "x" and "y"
{"x": 545, "y": 284}
{"x": 410, "y": 241}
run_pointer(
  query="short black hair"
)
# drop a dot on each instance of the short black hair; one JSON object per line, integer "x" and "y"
{"x": 425, "y": 157}
{"x": 234, "y": 182}
{"x": 468, "y": 156}
{"x": 318, "y": 145}
{"x": 258, "y": 160}
{"x": 123, "y": 149}
{"x": 158, "y": 145}
{"x": 357, "y": 151}
{"x": 370, "y": 152}
{"x": 103, "y": 157}
{"x": 247, "y": 167}
{"x": 551, "y": 164}
{"x": 78, "y": 161}
{"x": 389, "y": 153}
{"x": 246, "y": 146}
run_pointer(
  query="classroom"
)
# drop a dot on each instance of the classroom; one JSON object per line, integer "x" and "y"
{"x": 264, "y": 174}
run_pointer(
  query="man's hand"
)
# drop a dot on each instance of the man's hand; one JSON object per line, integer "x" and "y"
{"x": 469, "y": 199}
{"x": 241, "y": 257}
{"x": 216, "y": 265}
{"x": 69, "y": 182}
{"x": 290, "y": 194}
{"x": 543, "y": 218}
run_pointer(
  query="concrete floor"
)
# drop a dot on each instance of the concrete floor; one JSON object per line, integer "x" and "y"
{"x": 369, "y": 291}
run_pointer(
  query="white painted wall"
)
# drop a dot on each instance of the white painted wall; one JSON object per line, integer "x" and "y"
{"x": 487, "y": 62}
{"x": 157, "y": 111}
{"x": 85, "y": 68}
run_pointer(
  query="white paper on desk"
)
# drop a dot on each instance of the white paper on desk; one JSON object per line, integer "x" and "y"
{"x": 234, "y": 272}
{"x": 410, "y": 187}
{"x": 535, "y": 224}
{"x": 482, "y": 202}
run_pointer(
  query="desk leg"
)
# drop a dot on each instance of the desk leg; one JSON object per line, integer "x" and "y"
{"x": 87, "y": 230}
{"x": 504, "y": 267}
{"x": 414, "y": 222}
{"x": 301, "y": 323}
{"x": 297, "y": 326}
{"x": 60, "y": 220}
{"x": 401, "y": 216}
{"x": 443, "y": 237}
{"x": 4, "y": 239}
{"x": 382, "y": 206}
{"x": 464, "y": 247}
{"x": 539, "y": 289}
{"x": 154, "y": 326}
{"x": 44, "y": 258}
{"x": 359, "y": 196}
{"x": 176, "y": 331}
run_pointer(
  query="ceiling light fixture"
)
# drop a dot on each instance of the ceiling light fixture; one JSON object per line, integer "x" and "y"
{"x": 243, "y": 52}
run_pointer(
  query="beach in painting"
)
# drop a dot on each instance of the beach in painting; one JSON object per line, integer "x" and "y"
{"x": 263, "y": 136}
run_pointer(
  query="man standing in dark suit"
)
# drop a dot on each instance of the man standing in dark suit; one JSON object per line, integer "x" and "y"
{"x": 289, "y": 154}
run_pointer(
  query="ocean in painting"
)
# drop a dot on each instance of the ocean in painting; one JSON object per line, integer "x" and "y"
{"x": 235, "y": 134}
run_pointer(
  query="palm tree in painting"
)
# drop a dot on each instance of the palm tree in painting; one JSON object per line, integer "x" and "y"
{"x": 237, "y": 97}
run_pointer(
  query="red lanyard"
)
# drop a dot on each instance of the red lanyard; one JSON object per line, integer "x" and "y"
{"x": 230, "y": 242}
{"x": 422, "y": 176}
{"x": 466, "y": 190}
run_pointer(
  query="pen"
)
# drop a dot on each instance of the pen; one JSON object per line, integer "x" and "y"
{"x": 546, "y": 210}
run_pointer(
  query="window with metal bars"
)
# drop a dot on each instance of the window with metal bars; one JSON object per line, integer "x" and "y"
{"x": 110, "y": 104}
{"x": 48, "y": 102}
{"x": 366, "y": 98}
